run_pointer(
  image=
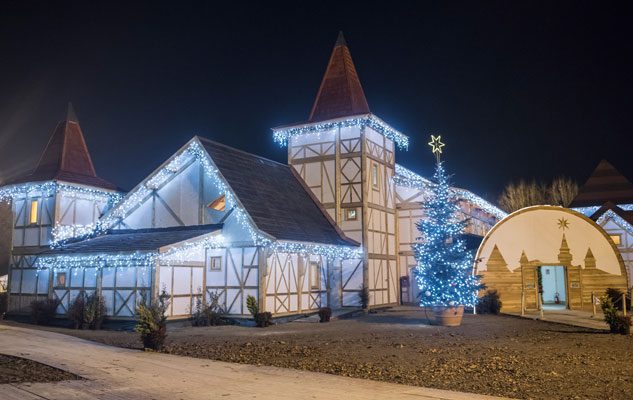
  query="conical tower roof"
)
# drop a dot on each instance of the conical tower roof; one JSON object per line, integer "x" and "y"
{"x": 340, "y": 93}
{"x": 605, "y": 184}
{"x": 66, "y": 157}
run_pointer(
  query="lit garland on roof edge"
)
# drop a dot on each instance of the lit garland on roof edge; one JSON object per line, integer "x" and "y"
{"x": 281, "y": 136}
{"x": 617, "y": 219}
{"x": 98, "y": 261}
{"x": 195, "y": 152}
{"x": 408, "y": 178}
{"x": 49, "y": 188}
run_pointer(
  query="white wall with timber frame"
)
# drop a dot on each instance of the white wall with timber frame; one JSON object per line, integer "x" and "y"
{"x": 34, "y": 217}
{"x": 625, "y": 245}
{"x": 338, "y": 167}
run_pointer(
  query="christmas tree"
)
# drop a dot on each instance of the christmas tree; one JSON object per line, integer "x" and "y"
{"x": 444, "y": 265}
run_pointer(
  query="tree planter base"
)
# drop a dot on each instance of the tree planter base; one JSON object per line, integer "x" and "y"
{"x": 448, "y": 316}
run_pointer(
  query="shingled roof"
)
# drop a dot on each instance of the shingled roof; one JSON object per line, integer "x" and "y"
{"x": 66, "y": 158}
{"x": 605, "y": 184}
{"x": 130, "y": 240}
{"x": 275, "y": 199}
{"x": 340, "y": 93}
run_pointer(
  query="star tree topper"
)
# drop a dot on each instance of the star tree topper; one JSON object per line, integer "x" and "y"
{"x": 436, "y": 144}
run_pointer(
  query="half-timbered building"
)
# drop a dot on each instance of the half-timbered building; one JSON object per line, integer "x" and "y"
{"x": 339, "y": 216}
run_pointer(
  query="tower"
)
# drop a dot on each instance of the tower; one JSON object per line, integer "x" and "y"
{"x": 345, "y": 155}
{"x": 61, "y": 197}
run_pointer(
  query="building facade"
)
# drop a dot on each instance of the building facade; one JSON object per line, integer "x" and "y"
{"x": 216, "y": 221}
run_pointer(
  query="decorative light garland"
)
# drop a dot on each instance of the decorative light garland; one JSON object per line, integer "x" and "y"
{"x": 407, "y": 178}
{"x": 195, "y": 152}
{"x": 49, "y": 188}
{"x": 281, "y": 136}
{"x": 624, "y": 224}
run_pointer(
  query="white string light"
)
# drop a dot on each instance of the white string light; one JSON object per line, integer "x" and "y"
{"x": 281, "y": 136}
{"x": 407, "y": 178}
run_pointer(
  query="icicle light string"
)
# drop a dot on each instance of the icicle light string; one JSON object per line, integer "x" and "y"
{"x": 195, "y": 152}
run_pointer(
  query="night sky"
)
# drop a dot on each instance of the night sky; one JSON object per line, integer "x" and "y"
{"x": 530, "y": 90}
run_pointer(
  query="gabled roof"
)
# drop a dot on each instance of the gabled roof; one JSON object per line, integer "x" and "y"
{"x": 625, "y": 215}
{"x": 66, "y": 158}
{"x": 130, "y": 240}
{"x": 275, "y": 199}
{"x": 605, "y": 184}
{"x": 340, "y": 93}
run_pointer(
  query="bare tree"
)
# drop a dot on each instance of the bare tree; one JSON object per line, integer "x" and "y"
{"x": 562, "y": 191}
{"x": 516, "y": 196}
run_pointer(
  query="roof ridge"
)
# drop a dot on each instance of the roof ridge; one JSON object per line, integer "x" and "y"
{"x": 202, "y": 138}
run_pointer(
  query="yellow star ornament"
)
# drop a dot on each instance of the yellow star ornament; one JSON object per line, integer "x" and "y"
{"x": 436, "y": 144}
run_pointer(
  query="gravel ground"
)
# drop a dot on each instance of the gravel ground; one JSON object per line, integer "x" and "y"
{"x": 496, "y": 355}
{"x": 19, "y": 370}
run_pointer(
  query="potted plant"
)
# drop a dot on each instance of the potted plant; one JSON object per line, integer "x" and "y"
{"x": 444, "y": 270}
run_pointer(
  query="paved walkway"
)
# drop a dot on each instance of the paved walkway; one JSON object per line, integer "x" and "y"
{"x": 115, "y": 374}
{"x": 582, "y": 319}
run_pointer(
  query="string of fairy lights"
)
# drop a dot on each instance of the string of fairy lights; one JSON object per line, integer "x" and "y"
{"x": 407, "y": 178}
{"x": 282, "y": 135}
{"x": 193, "y": 152}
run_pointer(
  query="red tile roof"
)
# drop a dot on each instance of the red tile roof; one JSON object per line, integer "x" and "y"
{"x": 341, "y": 93}
{"x": 605, "y": 184}
{"x": 66, "y": 158}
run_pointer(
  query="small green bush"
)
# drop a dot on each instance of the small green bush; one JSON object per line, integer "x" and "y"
{"x": 212, "y": 314}
{"x": 263, "y": 319}
{"x": 76, "y": 311}
{"x": 616, "y": 297}
{"x": 325, "y": 313}
{"x": 363, "y": 297}
{"x": 95, "y": 311}
{"x": 489, "y": 303}
{"x": 618, "y": 322}
{"x": 43, "y": 311}
{"x": 151, "y": 322}
{"x": 4, "y": 300}
{"x": 251, "y": 304}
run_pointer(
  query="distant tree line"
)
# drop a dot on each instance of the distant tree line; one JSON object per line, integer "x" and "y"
{"x": 517, "y": 195}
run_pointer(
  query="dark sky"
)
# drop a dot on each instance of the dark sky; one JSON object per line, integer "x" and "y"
{"x": 517, "y": 90}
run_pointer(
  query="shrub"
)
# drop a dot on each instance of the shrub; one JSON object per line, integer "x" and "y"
{"x": 43, "y": 311}
{"x": 325, "y": 313}
{"x": 363, "y": 297}
{"x": 616, "y": 297}
{"x": 95, "y": 311}
{"x": 76, "y": 311}
{"x": 618, "y": 323}
{"x": 4, "y": 299}
{"x": 151, "y": 322}
{"x": 263, "y": 319}
{"x": 251, "y": 304}
{"x": 490, "y": 303}
{"x": 212, "y": 314}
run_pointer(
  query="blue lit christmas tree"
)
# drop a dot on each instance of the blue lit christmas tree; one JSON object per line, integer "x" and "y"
{"x": 444, "y": 265}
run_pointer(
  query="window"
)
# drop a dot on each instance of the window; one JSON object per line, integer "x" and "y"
{"x": 315, "y": 275}
{"x": 60, "y": 279}
{"x": 374, "y": 175}
{"x": 215, "y": 264}
{"x": 351, "y": 214}
{"x": 617, "y": 239}
{"x": 218, "y": 204}
{"x": 34, "y": 210}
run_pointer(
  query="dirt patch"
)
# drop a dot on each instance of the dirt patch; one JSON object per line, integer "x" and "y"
{"x": 19, "y": 370}
{"x": 496, "y": 355}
